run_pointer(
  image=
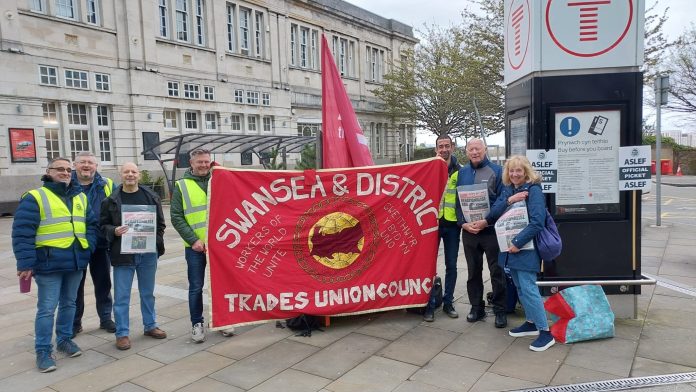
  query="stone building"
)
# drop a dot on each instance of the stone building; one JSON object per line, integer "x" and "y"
{"x": 115, "y": 76}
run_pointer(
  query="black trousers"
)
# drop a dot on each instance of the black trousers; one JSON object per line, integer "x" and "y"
{"x": 475, "y": 246}
{"x": 100, "y": 270}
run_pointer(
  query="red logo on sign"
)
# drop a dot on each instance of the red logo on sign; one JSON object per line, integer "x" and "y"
{"x": 597, "y": 30}
{"x": 518, "y": 29}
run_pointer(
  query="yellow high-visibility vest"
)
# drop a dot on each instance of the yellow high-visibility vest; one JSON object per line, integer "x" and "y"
{"x": 449, "y": 199}
{"x": 58, "y": 226}
{"x": 108, "y": 187}
{"x": 195, "y": 202}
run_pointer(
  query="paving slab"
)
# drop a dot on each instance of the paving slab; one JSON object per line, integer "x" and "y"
{"x": 260, "y": 366}
{"x": 495, "y": 382}
{"x": 181, "y": 347}
{"x": 418, "y": 345}
{"x": 451, "y": 372}
{"x": 612, "y": 356}
{"x": 340, "y": 327}
{"x": 335, "y": 360}
{"x": 182, "y": 372}
{"x": 518, "y": 361}
{"x": 649, "y": 367}
{"x": 390, "y": 325}
{"x": 292, "y": 380}
{"x": 109, "y": 376}
{"x": 376, "y": 374}
{"x": 417, "y": 386}
{"x": 668, "y": 344}
{"x": 481, "y": 343}
{"x": 252, "y": 341}
{"x": 569, "y": 374}
{"x": 207, "y": 384}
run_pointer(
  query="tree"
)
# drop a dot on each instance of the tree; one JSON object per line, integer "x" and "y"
{"x": 656, "y": 44}
{"x": 308, "y": 158}
{"x": 683, "y": 74}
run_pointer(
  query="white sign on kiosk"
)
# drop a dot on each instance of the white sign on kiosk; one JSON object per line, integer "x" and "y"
{"x": 546, "y": 164}
{"x": 634, "y": 168}
{"x": 588, "y": 144}
{"x": 551, "y": 35}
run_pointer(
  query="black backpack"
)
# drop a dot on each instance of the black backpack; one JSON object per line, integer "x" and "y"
{"x": 304, "y": 323}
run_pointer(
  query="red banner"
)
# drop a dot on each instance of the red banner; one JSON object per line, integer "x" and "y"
{"x": 328, "y": 242}
{"x": 343, "y": 141}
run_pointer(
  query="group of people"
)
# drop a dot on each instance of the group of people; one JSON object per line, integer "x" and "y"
{"x": 517, "y": 181}
{"x": 74, "y": 221}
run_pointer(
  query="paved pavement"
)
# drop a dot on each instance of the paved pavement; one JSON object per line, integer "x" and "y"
{"x": 391, "y": 351}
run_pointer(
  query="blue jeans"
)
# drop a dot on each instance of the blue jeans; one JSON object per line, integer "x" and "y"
{"x": 528, "y": 291}
{"x": 146, "y": 267}
{"x": 100, "y": 270}
{"x": 450, "y": 240}
{"x": 57, "y": 289}
{"x": 196, "y": 276}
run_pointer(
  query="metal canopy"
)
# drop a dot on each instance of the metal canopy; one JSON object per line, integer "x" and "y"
{"x": 223, "y": 144}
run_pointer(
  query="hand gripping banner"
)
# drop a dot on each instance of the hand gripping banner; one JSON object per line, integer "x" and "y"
{"x": 327, "y": 242}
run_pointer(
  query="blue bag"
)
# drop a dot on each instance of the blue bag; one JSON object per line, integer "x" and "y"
{"x": 548, "y": 241}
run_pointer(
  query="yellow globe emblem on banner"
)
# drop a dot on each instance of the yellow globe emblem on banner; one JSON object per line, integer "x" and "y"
{"x": 336, "y": 240}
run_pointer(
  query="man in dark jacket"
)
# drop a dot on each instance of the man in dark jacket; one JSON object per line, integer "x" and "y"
{"x": 188, "y": 213}
{"x": 128, "y": 260}
{"x": 53, "y": 233}
{"x": 478, "y": 239}
{"x": 448, "y": 228}
{"x": 96, "y": 188}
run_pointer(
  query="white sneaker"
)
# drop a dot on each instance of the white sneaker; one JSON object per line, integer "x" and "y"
{"x": 198, "y": 333}
{"x": 227, "y": 332}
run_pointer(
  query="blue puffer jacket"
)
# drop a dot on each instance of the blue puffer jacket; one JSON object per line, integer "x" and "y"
{"x": 524, "y": 260}
{"x": 95, "y": 195}
{"x": 49, "y": 259}
{"x": 486, "y": 172}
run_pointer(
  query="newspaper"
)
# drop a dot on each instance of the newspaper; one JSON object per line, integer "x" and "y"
{"x": 141, "y": 236}
{"x": 514, "y": 220}
{"x": 474, "y": 201}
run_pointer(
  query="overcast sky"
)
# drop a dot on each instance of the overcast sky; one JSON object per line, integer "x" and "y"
{"x": 448, "y": 12}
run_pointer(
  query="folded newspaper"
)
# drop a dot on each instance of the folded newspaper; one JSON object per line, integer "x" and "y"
{"x": 514, "y": 220}
{"x": 141, "y": 236}
{"x": 474, "y": 201}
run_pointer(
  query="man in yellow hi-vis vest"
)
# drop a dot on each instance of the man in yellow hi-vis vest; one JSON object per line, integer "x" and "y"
{"x": 189, "y": 217}
{"x": 449, "y": 230}
{"x": 53, "y": 235}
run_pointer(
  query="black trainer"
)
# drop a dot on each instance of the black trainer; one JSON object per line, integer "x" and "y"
{"x": 429, "y": 315}
{"x": 475, "y": 314}
{"x": 108, "y": 325}
{"x": 448, "y": 309}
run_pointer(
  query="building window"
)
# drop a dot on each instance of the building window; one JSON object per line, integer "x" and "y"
{"x": 51, "y": 130}
{"x": 49, "y": 75}
{"x": 231, "y": 39}
{"x": 303, "y": 46}
{"x": 293, "y": 44}
{"x": 345, "y": 60}
{"x": 251, "y": 124}
{"x": 93, "y": 12}
{"x": 209, "y": 93}
{"x": 78, "y": 128}
{"x": 65, "y": 9}
{"x": 313, "y": 50}
{"x": 191, "y": 122}
{"x": 375, "y": 61}
{"x": 211, "y": 121}
{"x": 244, "y": 30}
{"x": 266, "y": 99}
{"x": 247, "y": 158}
{"x": 238, "y": 96}
{"x": 258, "y": 34}
{"x": 267, "y": 124}
{"x": 182, "y": 20}
{"x": 102, "y": 82}
{"x": 304, "y": 129}
{"x": 163, "y": 18}
{"x": 76, "y": 79}
{"x": 200, "y": 35}
{"x": 378, "y": 139}
{"x": 173, "y": 89}
{"x": 169, "y": 117}
{"x": 252, "y": 97}
{"x": 236, "y": 122}
{"x": 104, "y": 133}
{"x": 191, "y": 91}
{"x": 38, "y": 6}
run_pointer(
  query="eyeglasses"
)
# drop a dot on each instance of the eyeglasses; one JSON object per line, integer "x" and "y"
{"x": 62, "y": 169}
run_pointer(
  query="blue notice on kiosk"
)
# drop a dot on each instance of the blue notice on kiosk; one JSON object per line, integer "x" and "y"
{"x": 570, "y": 126}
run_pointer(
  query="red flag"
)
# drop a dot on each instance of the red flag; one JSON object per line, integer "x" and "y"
{"x": 344, "y": 144}
{"x": 358, "y": 240}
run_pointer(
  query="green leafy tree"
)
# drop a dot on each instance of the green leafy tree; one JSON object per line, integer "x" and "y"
{"x": 308, "y": 158}
{"x": 272, "y": 163}
{"x": 682, "y": 83}
{"x": 656, "y": 44}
